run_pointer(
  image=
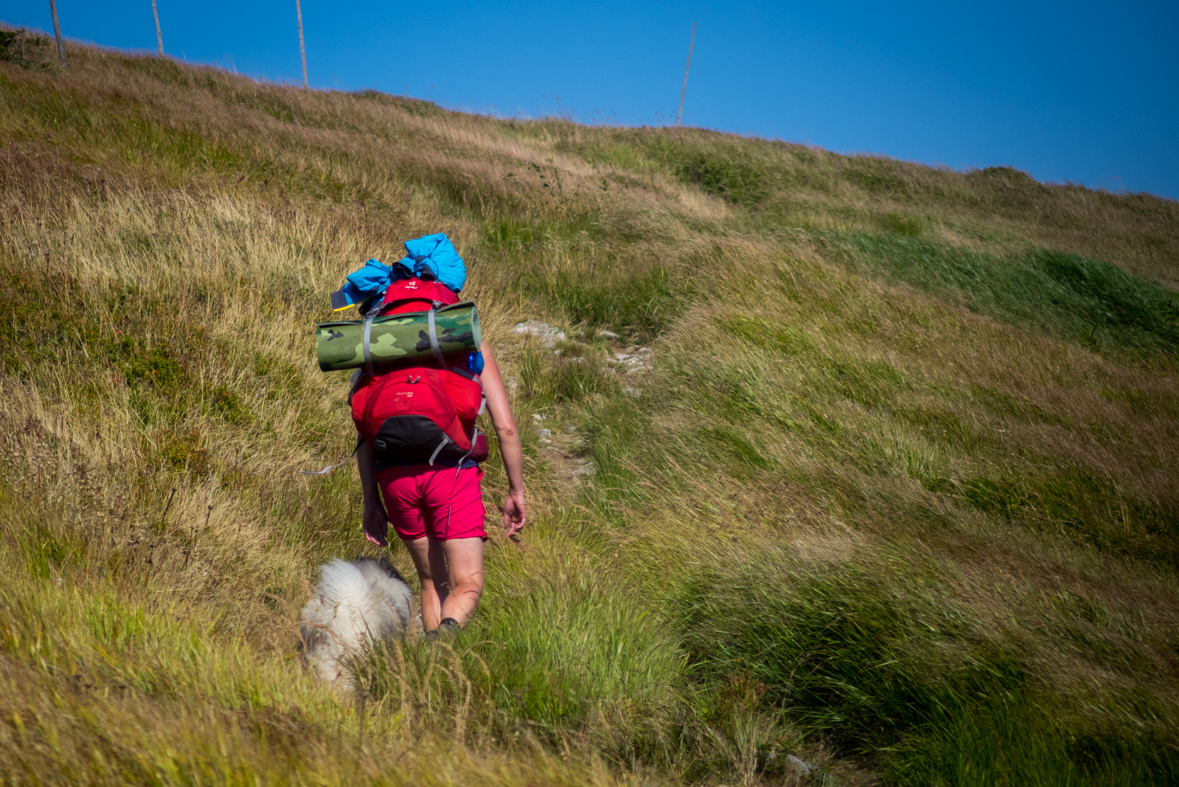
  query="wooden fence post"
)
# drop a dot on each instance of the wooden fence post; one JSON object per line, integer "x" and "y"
{"x": 57, "y": 31}
{"x": 159, "y": 36}
{"x": 302, "y": 51}
{"x": 680, "y": 115}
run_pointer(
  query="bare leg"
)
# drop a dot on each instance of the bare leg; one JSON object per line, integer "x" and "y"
{"x": 430, "y": 561}
{"x": 464, "y": 560}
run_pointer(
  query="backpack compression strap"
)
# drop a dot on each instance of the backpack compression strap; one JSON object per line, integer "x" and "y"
{"x": 368, "y": 356}
{"x": 433, "y": 339}
{"x": 445, "y": 441}
{"x": 364, "y": 338}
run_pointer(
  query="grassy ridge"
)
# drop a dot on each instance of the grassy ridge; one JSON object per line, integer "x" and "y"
{"x": 898, "y": 495}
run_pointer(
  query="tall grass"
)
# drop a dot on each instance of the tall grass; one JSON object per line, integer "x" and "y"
{"x": 898, "y": 497}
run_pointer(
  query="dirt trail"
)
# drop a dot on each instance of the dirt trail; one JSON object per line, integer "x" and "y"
{"x": 559, "y": 439}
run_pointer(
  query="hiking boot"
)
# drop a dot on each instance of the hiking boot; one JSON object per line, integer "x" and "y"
{"x": 447, "y": 630}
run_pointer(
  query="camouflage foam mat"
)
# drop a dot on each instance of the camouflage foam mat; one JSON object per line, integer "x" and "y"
{"x": 397, "y": 338}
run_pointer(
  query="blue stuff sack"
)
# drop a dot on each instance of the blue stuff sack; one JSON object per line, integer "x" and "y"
{"x": 434, "y": 256}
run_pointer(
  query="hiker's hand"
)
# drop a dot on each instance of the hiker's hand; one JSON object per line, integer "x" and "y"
{"x": 376, "y": 524}
{"x": 514, "y": 514}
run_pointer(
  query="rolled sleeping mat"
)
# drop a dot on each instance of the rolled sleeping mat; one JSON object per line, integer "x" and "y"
{"x": 398, "y": 338}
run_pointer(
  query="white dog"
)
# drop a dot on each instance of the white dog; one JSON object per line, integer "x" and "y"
{"x": 356, "y": 603}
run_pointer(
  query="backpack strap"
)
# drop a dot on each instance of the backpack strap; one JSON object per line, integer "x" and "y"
{"x": 368, "y": 356}
{"x": 330, "y": 468}
{"x": 433, "y": 340}
{"x": 366, "y": 334}
{"x": 437, "y": 450}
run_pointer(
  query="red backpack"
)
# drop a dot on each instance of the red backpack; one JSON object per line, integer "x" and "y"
{"x": 422, "y": 413}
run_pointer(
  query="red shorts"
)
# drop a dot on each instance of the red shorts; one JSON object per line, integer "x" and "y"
{"x": 441, "y": 502}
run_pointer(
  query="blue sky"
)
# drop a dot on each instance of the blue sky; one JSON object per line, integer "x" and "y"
{"x": 1083, "y": 92}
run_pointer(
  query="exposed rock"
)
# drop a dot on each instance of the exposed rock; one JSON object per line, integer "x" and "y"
{"x": 547, "y": 334}
{"x": 587, "y": 468}
{"x": 798, "y": 768}
{"x": 640, "y": 360}
{"x": 544, "y": 435}
{"x": 608, "y": 334}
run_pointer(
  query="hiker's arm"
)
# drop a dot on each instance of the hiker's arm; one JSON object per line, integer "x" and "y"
{"x": 375, "y": 518}
{"x": 509, "y": 441}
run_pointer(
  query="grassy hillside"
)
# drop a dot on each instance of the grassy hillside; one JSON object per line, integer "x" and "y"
{"x": 898, "y": 494}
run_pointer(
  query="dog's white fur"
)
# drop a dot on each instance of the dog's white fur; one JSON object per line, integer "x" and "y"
{"x": 355, "y": 604}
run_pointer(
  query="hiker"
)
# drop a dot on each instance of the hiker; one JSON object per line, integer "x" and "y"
{"x": 437, "y": 512}
{"x": 419, "y": 448}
